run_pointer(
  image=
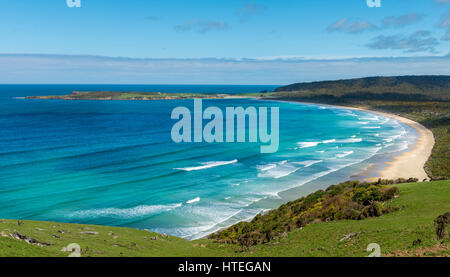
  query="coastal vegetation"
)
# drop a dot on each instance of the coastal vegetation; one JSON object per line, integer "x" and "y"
{"x": 412, "y": 88}
{"x": 350, "y": 200}
{"x": 408, "y": 230}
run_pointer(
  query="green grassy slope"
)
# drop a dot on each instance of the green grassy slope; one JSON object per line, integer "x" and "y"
{"x": 110, "y": 241}
{"x": 420, "y": 204}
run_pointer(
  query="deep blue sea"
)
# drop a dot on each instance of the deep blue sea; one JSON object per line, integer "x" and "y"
{"x": 114, "y": 163}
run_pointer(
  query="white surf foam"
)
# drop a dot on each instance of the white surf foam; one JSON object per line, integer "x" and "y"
{"x": 385, "y": 121}
{"x": 307, "y": 144}
{"x": 138, "y": 211}
{"x": 207, "y": 165}
{"x": 266, "y": 167}
{"x": 284, "y": 169}
{"x": 353, "y": 139}
{"x": 195, "y": 200}
{"x": 307, "y": 163}
{"x": 279, "y": 172}
{"x": 206, "y": 228}
{"x": 346, "y": 113}
{"x": 345, "y": 154}
{"x": 371, "y": 127}
{"x": 350, "y": 140}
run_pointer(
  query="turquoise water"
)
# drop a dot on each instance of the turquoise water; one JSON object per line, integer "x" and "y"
{"x": 114, "y": 163}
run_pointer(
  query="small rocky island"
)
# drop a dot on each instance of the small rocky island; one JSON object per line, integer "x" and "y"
{"x": 110, "y": 95}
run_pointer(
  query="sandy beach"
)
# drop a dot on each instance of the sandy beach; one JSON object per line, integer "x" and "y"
{"x": 409, "y": 164}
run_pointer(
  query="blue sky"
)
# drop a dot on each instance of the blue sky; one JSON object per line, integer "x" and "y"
{"x": 185, "y": 33}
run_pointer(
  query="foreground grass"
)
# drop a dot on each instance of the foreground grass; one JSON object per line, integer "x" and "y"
{"x": 420, "y": 204}
{"x": 109, "y": 242}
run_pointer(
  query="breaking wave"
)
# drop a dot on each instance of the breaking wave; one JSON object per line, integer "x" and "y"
{"x": 345, "y": 154}
{"x": 195, "y": 200}
{"x": 207, "y": 165}
{"x": 139, "y": 211}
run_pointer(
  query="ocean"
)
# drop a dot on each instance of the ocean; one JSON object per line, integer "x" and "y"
{"x": 114, "y": 163}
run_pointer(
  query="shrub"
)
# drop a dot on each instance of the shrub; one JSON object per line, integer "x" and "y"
{"x": 350, "y": 200}
{"x": 387, "y": 193}
{"x": 375, "y": 209}
{"x": 367, "y": 195}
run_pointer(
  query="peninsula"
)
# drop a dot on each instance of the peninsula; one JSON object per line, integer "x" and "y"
{"x": 130, "y": 95}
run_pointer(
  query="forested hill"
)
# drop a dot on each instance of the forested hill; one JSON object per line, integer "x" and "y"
{"x": 409, "y": 87}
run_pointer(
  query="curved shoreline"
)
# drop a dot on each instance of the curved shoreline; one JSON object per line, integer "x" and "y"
{"x": 410, "y": 163}
{"x": 405, "y": 165}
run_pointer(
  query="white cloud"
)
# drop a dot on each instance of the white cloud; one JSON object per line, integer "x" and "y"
{"x": 249, "y": 10}
{"x": 18, "y": 68}
{"x": 352, "y": 27}
{"x": 445, "y": 23}
{"x": 400, "y": 21}
{"x": 419, "y": 41}
{"x": 201, "y": 26}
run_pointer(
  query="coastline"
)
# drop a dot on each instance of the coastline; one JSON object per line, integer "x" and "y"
{"x": 410, "y": 163}
{"x": 405, "y": 165}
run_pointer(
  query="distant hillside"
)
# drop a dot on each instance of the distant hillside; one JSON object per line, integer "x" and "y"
{"x": 424, "y": 99}
{"x": 375, "y": 88}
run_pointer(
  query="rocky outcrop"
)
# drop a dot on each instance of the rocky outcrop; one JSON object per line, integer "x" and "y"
{"x": 441, "y": 223}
